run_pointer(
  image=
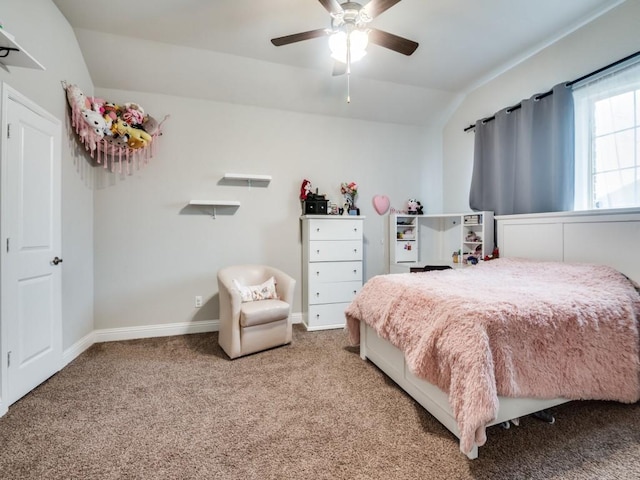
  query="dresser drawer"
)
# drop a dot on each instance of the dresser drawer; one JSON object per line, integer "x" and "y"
{"x": 335, "y": 229}
{"x": 321, "y": 272}
{"x": 322, "y": 317}
{"x": 331, "y": 251}
{"x": 333, "y": 292}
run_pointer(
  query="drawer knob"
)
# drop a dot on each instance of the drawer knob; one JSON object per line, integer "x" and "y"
{"x": 317, "y": 294}
{"x": 317, "y": 315}
{"x": 318, "y": 229}
{"x": 355, "y": 291}
{"x": 355, "y": 229}
{"x": 318, "y": 251}
{"x": 355, "y": 250}
{"x": 317, "y": 274}
{"x": 355, "y": 271}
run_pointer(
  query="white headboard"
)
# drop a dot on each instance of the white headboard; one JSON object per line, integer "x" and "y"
{"x": 609, "y": 237}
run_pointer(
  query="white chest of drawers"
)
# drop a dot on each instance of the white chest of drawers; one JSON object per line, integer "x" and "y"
{"x": 332, "y": 253}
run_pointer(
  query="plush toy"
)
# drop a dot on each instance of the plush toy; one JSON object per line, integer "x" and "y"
{"x": 414, "y": 207}
{"x": 133, "y": 114}
{"x": 95, "y": 122}
{"x": 77, "y": 99}
{"x": 117, "y": 141}
{"x": 150, "y": 125}
{"x": 97, "y": 104}
{"x": 111, "y": 110}
{"x": 305, "y": 189}
{"x": 136, "y": 138}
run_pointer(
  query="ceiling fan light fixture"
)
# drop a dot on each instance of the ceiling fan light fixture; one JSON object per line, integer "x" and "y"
{"x": 357, "y": 40}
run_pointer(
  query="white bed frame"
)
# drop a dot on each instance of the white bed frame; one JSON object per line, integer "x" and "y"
{"x": 608, "y": 238}
{"x": 391, "y": 361}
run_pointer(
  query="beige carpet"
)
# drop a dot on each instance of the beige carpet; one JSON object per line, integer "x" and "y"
{"x": 175, "y": 407}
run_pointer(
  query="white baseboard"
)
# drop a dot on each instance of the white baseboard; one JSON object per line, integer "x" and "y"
{"x": 150, "y": 331}
{"x": 131, "y": 333}
{"x": 77, "y": 348}
{"x": 146, "y": 331}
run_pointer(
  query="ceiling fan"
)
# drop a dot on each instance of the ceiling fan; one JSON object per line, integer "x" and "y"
{"x": 349, "y": 32}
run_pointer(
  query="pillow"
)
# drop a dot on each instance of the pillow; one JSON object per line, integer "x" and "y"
{"x": 264, "y": 291}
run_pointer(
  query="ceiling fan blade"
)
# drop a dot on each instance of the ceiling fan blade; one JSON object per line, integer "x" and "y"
{"x": 392, "y": 42}
{"x": 376, "y": 7}
{"x": 339, "y": 68}
{"x": 332, "y": 6}
{"x": 298, "y": 37}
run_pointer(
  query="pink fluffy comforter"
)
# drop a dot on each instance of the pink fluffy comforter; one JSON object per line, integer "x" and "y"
{"x": 509, "y": 327}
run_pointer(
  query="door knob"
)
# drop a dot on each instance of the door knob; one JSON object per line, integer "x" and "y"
{"x": 56, "y": 261}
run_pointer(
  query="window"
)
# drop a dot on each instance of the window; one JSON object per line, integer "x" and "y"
{"x": 607, "y": 120}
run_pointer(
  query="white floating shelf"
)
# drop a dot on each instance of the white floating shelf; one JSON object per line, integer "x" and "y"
{"x": 216, "y": 203}
{"x": 13, "y": 54}
{"x": 248, "y": 177}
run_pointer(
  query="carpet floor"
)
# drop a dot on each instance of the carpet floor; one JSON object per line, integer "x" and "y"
{"x": 177, "y": 408}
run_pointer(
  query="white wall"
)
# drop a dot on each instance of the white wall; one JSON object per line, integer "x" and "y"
{"x": 41, "y": 29}
{"x": 154, "y": 253}
{"x": 608, "y": 38}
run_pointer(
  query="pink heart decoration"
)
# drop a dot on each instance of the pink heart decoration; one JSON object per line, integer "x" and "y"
{"x": 381, "y": 204}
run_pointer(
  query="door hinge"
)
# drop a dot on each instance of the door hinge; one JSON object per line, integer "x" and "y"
{"x": 7, "y": 244}
{"x": 8, "y": 130}
{"x": 8, "y": 359}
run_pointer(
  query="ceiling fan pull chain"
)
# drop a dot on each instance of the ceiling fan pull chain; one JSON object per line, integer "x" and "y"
{"x": 349, "y": 67}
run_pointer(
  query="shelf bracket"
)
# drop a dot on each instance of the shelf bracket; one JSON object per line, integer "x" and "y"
{"x": 5, "y": 51}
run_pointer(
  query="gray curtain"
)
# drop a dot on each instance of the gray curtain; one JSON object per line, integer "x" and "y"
{"x": 524, "y": 159}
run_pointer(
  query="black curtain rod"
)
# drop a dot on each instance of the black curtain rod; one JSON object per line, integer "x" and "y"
{"x": 569, "y": 84}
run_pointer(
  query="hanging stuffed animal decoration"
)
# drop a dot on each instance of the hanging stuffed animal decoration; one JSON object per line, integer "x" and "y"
{"x": 112, "y": 131}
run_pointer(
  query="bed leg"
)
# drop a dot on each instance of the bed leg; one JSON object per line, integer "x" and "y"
{"x": 473, "y": 454}
{"x": 545, "y": 416}
{"x": 363, "y": 340}
{"x": 508, "y": 423}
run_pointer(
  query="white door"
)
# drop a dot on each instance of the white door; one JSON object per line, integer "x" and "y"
{"x": 31, "y": 246}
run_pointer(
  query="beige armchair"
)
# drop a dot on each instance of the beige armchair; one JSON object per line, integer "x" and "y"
{"x": 248, "y": 327}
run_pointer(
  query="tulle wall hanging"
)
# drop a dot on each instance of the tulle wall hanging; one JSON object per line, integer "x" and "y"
{"x": 118, "y": 136}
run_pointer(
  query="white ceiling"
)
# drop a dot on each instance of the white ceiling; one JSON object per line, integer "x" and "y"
{"x": 220, "y": 50}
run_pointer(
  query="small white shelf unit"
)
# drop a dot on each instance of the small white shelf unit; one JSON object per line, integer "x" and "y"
{"x": 419, "y": 240}
{"x": 12, "y": 54}
{"x": 215, "y": 204}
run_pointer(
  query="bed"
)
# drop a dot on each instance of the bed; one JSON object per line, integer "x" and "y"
{"x": 509, "y": 337}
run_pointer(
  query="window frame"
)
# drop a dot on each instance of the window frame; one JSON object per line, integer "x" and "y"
{"x": 585, "y": 131}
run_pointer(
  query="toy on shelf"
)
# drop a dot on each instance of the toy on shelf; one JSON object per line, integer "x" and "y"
{"x": 305, "y": 189}
{"x": 414, "y": 207}
{"x": 472, "y": 237}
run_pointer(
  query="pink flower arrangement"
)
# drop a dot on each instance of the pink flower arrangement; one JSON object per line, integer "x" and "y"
{"x": 350, "y": 191}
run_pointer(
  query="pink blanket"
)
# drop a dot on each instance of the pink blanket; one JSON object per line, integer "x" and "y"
{"x": 515, "y": 328}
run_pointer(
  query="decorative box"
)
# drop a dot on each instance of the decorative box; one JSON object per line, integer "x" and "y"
{"x": 315, "y": 207}
{"x": 315, "y": 204}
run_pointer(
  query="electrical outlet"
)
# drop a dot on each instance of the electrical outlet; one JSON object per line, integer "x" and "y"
{"x": 198, "y": 302}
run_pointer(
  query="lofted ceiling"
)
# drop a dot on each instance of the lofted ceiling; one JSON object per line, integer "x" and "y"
{"x": 221, "y": 50}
